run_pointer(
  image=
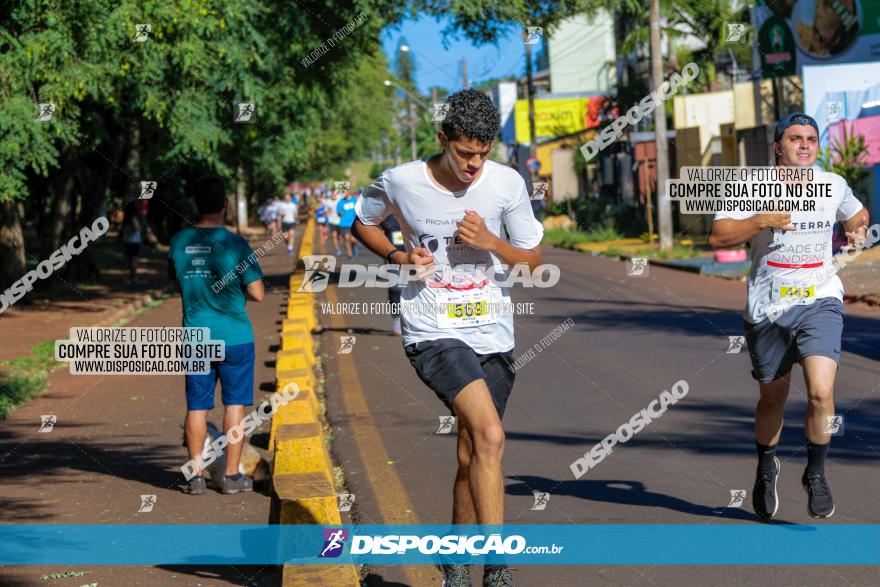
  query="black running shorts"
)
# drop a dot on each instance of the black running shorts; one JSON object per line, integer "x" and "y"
{"x": 447, "y": 365}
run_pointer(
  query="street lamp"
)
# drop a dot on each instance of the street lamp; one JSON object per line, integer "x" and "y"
{"x": 415, "y": 97}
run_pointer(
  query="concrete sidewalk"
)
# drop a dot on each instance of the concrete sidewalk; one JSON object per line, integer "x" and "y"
{"x": 120, "y": 437}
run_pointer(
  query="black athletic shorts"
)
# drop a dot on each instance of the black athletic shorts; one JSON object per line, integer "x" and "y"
{"x": 285, "y": 226}
{"x": 447, "y": 365}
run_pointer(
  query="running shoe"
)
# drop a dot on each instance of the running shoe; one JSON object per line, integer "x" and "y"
{"x": 819, "y": 502}
{"x": 196, "y": 486}
{"x": 456, "y": 575}
{"x": 497, "y": 576}
{"x": 237, "y": 484}
{"x": 765, "y": 500}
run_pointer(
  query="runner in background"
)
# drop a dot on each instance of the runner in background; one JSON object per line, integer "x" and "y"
{"x": 347, "y": 216}
{"x": 790, "y": 317}
{"x": 131, "y": 236}
{"x": 287, "y": 212}
{"x": 272, "y": 215}
{"x": 333, "y": 219}
{"x": 321, "y": 219}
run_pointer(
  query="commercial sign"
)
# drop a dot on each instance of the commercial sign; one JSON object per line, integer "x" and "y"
{"x": 558, "y": 116}
{"x": 794, "y": 33}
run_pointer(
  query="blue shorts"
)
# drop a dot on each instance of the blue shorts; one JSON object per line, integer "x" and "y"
{"x": 236, "y": 375}
{"x": 801, "y": 331}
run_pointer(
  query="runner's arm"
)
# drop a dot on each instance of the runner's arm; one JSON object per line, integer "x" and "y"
{"x": 856, "y": 227}
{"x": 727, "y": 232}
{"x": 374, "y": 238}
{"x": 255, "y": 290}
{"x": 512, "y": 255}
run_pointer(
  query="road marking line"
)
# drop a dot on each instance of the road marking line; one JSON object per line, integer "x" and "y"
{"x": 391, "y": 496}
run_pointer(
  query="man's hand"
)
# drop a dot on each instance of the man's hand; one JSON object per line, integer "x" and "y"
{"x": 857, "y": 238}
{"x": 780, "y": 221}
{"x": 473, "y": 232}
{"x": 424, "y": 262}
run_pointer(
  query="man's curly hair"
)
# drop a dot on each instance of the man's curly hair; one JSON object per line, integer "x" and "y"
{"x": 473, "y": 115}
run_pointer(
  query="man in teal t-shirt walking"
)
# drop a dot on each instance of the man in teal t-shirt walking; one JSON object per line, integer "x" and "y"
{"x": 215, "y": 270}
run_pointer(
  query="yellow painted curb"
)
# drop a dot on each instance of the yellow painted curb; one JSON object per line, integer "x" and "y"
{"x": 298, "y": 411}
{"x": 301, "y": 301}
{"x": 303, "y": 377}
{"x": 306, "y": 313}
{"x": 294, "y": 359}
{"x": 295, "y": 301}
{"x": 306, "y": 386}
{"x": 297, "y": 340}
{"x": 300, "y": 448}
{"x": 320, "y": 576}
{"x": 294, "y": 324}
{"x": 306, "y": 498}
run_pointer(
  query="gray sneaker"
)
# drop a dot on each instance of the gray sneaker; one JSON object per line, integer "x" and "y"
{"x": 456, "y": 575}
{"x": 497, "y": 576}
{"x": 237, "y": 485}
{"x": 196, "y": 486}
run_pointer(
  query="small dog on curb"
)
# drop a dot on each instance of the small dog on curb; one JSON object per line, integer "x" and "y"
{"x": 252, "y": 463}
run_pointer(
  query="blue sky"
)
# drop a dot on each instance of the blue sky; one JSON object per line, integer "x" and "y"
{"x": 438, "y": 66}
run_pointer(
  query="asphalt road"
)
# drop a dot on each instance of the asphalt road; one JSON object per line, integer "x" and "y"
{"x": 632, "y": 338}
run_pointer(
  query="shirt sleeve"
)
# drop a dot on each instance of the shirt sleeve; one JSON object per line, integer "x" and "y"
{"x": 849, "y": 206}
{"x": 523, "y": 228}
{"x": 374, "y": 206}
{"x": 252, "y": 271}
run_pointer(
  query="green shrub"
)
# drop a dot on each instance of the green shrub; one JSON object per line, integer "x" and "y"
{"x": 26, "y": 377}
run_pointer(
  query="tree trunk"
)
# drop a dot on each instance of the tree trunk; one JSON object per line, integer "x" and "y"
{"x": 11, "y": 244}
{"x": 59, "y": 208}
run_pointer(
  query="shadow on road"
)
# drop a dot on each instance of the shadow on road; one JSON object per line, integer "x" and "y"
{"x": 51, "y": 461}
{"x": 861, "y": 334}
{"x": 723, "y": 428}
{"x": 247, "y": 575}
{"x": 625, "y": 493}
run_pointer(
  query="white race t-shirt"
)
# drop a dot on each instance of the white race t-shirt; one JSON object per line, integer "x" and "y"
{"x": 429, "y": 216}
{"x": 793, "y": 267}
{"x": 287, "y": 211}
{"x": 332, "y": 214}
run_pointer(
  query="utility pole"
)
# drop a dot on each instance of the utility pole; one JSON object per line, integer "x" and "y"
{"x": 664, "y": 206}
{"x": 464, "y": 79}
{"x": 412, "y": 131}
{"x": 530, "y": 96}
{"x": 434, "y": 101}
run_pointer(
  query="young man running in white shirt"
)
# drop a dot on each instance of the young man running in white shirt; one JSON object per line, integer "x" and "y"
{"x": 795, "y": 311}
{"x": 451, "y": 208}
{"x": 287, "y": 211}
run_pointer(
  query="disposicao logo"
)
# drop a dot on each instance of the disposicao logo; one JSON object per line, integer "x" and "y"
{"x": 334, "y": 542}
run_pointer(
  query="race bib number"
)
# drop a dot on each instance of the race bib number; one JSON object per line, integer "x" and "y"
{"x": 461, "y": 309}
{"x": 397, "y": 238}
{"x": 793, "y": 293}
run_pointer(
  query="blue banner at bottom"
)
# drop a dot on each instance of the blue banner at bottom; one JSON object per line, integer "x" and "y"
{"x": 521, "y": 544}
